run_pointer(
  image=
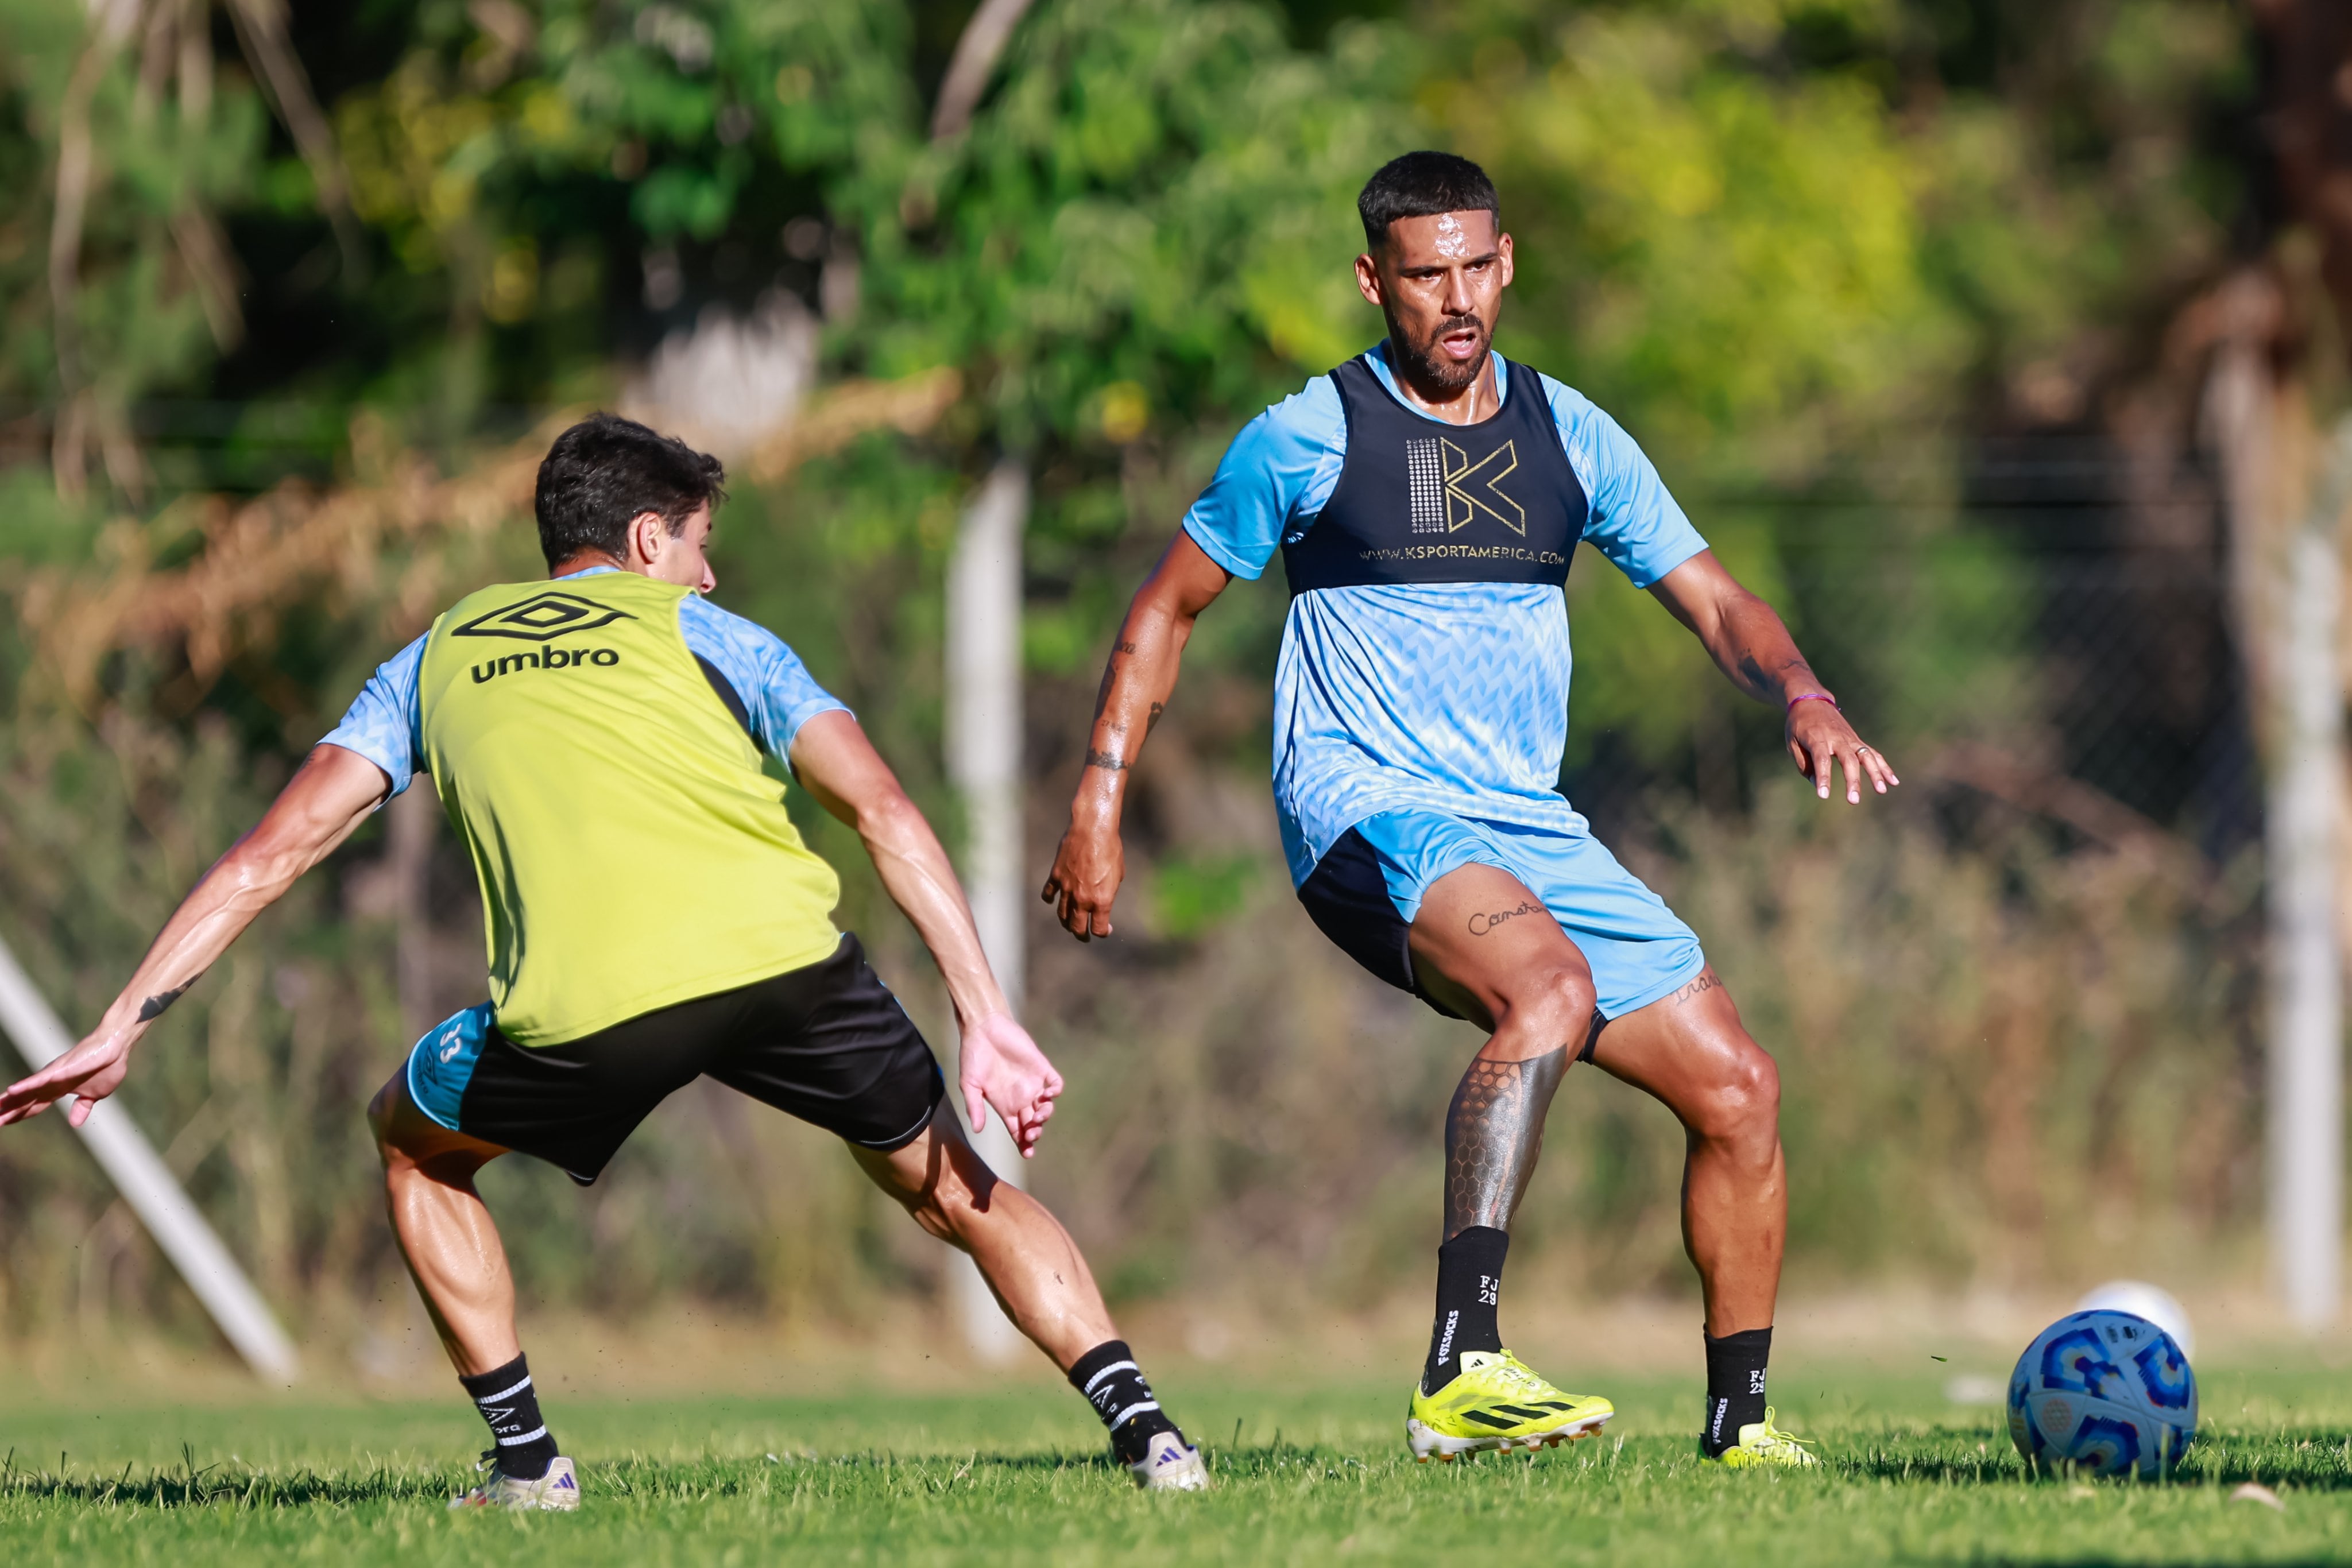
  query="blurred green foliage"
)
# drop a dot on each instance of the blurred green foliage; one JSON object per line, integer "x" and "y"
{"x": 1799, "y": 248}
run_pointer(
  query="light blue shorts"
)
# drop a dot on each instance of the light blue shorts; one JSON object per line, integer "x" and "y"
{"x": 1367, "y": 888}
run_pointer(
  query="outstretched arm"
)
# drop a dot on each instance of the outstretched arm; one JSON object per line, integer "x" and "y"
{"x": 1001, "y": 1065}
{"x": 330, "y": 795}
{"x": 1135, "y": 686}
{"x": 1749, "y": 644}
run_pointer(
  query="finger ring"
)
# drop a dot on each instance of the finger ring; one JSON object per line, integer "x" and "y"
{"x": 1860, "y": 748}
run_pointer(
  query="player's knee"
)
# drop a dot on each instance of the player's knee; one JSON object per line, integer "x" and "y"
{"x": 1743, "y": 1105}
{"x": 1555, "y": 1000}
{"x": 379, "y": 1116}
{"x": 945, "y": 1189}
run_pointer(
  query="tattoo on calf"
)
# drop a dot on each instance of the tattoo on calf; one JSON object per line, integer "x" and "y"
{"x": 1105, "y": 760}
{"x": 1493, "y": 1131}
{"x": 154, "y": 1006}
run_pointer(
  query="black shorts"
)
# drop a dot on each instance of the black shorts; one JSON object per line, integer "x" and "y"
{"x": 827, "y": 1042}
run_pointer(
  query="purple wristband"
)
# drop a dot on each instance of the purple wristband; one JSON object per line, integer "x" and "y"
{"x": 1812, "y": 697}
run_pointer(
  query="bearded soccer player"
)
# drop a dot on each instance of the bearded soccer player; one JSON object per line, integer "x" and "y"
{"x": 653, "y": 917}
{"x": 1426, "y": 497}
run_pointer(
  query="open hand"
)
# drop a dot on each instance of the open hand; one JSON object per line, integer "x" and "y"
{"x": 1088, "y": 870}
{"x": 91, "y": 1070}
{"x": 1002, "y": 1067}
{"x": 1819, "y": 736}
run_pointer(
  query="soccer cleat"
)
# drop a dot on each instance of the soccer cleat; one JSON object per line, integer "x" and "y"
{"x": 1762, "y": 1443}
{"x": 1169, "y": 1466}
{"x": 1496, "y": 1403}
{"x": 557, "y": 1489}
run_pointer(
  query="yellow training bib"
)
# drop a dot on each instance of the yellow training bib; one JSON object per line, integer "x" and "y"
{"x": 632, "y": 854}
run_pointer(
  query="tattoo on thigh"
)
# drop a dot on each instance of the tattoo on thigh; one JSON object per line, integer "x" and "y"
{"x": 1706, "y": 981}
{"x": 1493, "y": 1131}
{"x": 1485, "y": 921}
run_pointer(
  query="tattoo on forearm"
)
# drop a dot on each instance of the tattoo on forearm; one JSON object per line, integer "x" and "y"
{"x": 156, "y": 1007}
{"x": 1493, "y": 1131}
{"x": 1108, "y": 761}
{"x": 1706, "y": 981}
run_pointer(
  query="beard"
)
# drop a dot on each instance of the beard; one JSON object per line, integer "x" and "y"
{"x": 1431, "y": 366}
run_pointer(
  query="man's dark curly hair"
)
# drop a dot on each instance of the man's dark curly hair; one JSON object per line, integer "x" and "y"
{"x": 605, "y": 471}
{"x": 1421, "y": 185}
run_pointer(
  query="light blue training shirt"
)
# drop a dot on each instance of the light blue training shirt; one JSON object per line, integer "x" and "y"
{"x": 1443, "y": 696}
{"x": 385, "y": 724}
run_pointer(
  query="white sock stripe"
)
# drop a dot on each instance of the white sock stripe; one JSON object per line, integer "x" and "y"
{"x": 1137, "y": 1410}
{"x": 1106, "y": 1372}
{"x": 531, "y": 1437}
{"x": 503, "y": 1393}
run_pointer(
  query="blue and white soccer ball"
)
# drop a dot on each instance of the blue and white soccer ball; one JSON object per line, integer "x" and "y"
{"x": 2107, "y": 1391}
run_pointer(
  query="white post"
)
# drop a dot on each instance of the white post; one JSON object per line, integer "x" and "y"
{"x": 983, "y": 755}
{"x": 146, "y": 1184}
{"x": 2306, "y": 1054}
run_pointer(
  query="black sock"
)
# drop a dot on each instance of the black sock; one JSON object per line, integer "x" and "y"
{"x": 511, "y": 1405}
{"x": 1469, "y": 1287}
{"x": 1114, "y": 1386}
{"x": 1735, "y": 1386}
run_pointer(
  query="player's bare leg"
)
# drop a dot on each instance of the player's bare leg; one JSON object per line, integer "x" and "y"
{"x": 1037, "y": 1272}
{"x": 1485, "y": 945}
{"x": 1041, "y": 1280}
{"x": 454, "y": 1254}
{"x": 445, "y": 1232}
{"x": 1487, "y": 949}
{"x": 1690, "y": 1052}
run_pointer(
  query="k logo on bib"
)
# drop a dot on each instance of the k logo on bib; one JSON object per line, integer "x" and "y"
{"x": 1419, "y": 501}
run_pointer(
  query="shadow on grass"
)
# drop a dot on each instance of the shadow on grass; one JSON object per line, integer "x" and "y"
{"x": 2321, "y": 1461}
{"x": 212, "y": 1488}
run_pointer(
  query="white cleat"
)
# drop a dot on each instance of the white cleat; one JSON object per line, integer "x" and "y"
{"x": 557, "y": 1491}
{"x": 1169, "y": 1466}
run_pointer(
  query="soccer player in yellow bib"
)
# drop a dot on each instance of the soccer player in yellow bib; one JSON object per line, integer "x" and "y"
{"x": 653, "y": 916}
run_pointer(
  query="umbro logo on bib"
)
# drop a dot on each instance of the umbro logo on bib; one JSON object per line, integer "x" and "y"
{"x": 1447, "y": 490}
{"x": 543, "y": 618}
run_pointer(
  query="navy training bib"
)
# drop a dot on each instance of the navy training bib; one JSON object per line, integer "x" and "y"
{"x": 1421, "y": 501}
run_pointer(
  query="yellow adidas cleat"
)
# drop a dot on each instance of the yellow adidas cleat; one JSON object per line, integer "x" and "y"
{"x": 1762, "y": 1443}
{"x": 1496, "y": 1403}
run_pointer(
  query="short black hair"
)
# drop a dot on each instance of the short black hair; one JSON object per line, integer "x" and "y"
{"x": 1421, "y": 185}
{"x": 605, "y": 471}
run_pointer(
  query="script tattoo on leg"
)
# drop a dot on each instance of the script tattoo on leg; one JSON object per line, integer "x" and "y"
{"x": 1706, "y": 981}
{"x": 1493, "y": 1131}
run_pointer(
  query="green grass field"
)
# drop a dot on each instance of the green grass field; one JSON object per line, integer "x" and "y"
{"x": 1307, "y": 1476}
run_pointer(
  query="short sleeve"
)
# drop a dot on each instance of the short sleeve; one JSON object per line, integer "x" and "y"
{"x": 1634, "y": 520}
{"x": 384, "y": 723}
{"x": 1282, "y": 465}
{"x": 776, "y": 690}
